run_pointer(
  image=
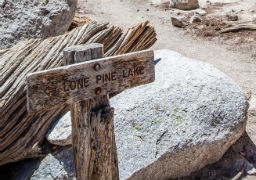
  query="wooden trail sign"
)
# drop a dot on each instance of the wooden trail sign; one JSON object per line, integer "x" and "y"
{"x": 85, "y": 86}
{"x": 47, "y": 89}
